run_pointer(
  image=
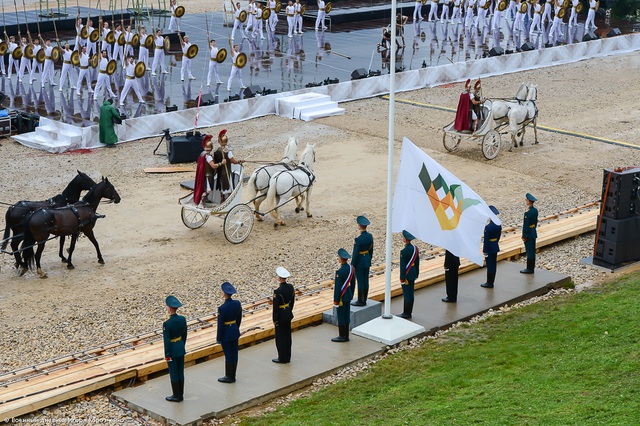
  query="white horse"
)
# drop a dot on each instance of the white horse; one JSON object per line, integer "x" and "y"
{"x": 523, "y": 114}
{"x": 288, "y": 184}
{"x": 501, "y": 113}
{"x": 258, "y": 184}
{"x": 500, "y": 108}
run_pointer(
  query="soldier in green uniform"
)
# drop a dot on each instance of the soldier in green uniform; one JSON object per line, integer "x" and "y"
{"x": 491, "y": 248}
{"x": 229, "y": 319}
{"x": 529, "y": 233}
{"x": 361, "y": 260}
{"x": 174, "y": 332}
{"x": 343, "y": 284}
{"x": 283, "y": 299}
{"x": 409, "y": 271}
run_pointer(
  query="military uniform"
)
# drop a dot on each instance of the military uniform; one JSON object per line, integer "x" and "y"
{"x": 451, "y": 265}
{"x": 490, "y": 248}
{"x": 229, "y": 319}
{"x": 342, "y": 295}
{"x": 361, "y": 261}
{"x": 283, "y": 300}
{"x": 529, "y": 235}
{"x": 409, "y": 271}
{"x": 174, "y": 333}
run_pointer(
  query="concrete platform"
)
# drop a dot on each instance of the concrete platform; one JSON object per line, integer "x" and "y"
{"x": 314, "y": 355}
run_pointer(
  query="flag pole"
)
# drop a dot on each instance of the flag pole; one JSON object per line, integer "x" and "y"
{"x": 392, "y": 110}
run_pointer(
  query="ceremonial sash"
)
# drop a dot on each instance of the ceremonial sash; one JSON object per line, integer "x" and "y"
{"x": 347, "y": 281}
{"x": 412, "y": 261}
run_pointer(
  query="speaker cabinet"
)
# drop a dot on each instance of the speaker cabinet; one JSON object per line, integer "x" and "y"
{"x": 207, "y": 99}
{"x": 182, "y": 149}
{"x": 358, "y": 74}
{"x": 622, "y": 196}
{"x": 589, "y": 36}
{"x": 527, "y": 46}
{"x": 617, "y": 253}
{"x": 619, "y": 230}
{"x": 251, "y": 91}
{"x": 614, "y": 32}
{"x": 496, "y": 51}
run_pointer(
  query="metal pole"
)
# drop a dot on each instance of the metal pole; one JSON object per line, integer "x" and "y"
{"x": 392, "y": 99}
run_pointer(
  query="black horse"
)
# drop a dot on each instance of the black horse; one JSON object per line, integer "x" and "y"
{"x": 69, "y": 220}
{"x": 16, "y": 214}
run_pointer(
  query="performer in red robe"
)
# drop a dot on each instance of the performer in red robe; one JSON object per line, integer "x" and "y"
{"x": 463, "y": 119}
{"x": 200, "y": 184}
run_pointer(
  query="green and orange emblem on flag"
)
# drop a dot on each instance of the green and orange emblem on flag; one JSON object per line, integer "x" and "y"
{"x": 448, "y": 201}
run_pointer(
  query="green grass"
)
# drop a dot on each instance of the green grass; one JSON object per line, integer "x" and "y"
{"x": 571, "y": 360}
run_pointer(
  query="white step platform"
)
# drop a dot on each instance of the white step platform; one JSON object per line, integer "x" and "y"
{"x": 307, "y": 106}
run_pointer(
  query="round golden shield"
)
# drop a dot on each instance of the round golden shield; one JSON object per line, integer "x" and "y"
{"x": 243, "y": 16}
{"x": 111, "y": 66}
{"x": 328, "y": 7}
{"x": 424, "y": 2}
{"x": 121, "y": 40}
{"x": 266, "y": 13}
{"x": 579, "y": 8}
{"x": 303, "y": 9}
{"x": 502, "y": 6}
{"x": 180, "y": 11}
{"x": 561, "y": 13}
{"x": 40, "y": 56}
{"x": 140, "y": 69}
{"x": 3, "y": 47}
{"x": 167, "y": 44}
{"x": 221, "y": 56}
{"x": 28, "y": 51}
{"x": 241, "y": 60}
{"x": 148, "y": 42}
{"x": 566, "y": 4}
{"x": 111, "y": 37}
{"x": 192, "y": 51}
{"x": 135, "y": 40}
{"x": 84, "y": 32}
{"x": 94, "y": 36}
{"x": 56, "y": 54}
{"x": 278, "y": 7}
{"x": 17, "y": 53}
{"x": 75, "y": 58}
{"x": 523, "y": 7}
{"x": 95, "y": 60}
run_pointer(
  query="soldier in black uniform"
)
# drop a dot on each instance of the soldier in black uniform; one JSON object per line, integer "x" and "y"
{"x": 223, "y": 171}
{"x": 174, "y": 332}
{"x": 451, "y": 265}
{"x": 529, "y": 233}
{"x": 409, "y": 271}
{"x": 490, "y": 248}
{"x": 229, "y": 319}
{"x": 361, "y": 260}
{"x": 342, "y": 295}
{"x": 283, "y": 299}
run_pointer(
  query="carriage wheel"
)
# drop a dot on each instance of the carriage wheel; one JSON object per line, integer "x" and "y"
{"x": 451, "y": 142}
{"x": 193, "y": 219}
{"x": 491, "y": 145}
{"x": 238, "y": 223}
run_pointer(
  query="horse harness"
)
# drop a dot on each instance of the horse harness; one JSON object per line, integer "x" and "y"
{"x": 287, "y": 166}
{"x": 310, "y": 175}
{"x": 81, "y": 224}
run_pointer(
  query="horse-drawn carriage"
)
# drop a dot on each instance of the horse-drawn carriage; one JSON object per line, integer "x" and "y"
{"x": 275, "y": 184}
{"x": 500, "y": 116}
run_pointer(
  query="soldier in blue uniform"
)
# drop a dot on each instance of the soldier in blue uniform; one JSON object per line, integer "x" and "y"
{"x": 283, "y": 299}
{"x": 451, "y": 265}
{"x": 529, "y": 233}
{"x": 361, "y": 260}
{"x": 229, "y": 319}
{"x": 342, "y": 295}
{"x": 174, "y": 333}
{"x": 490, "y": 248}
{"x": 409, "y": 271}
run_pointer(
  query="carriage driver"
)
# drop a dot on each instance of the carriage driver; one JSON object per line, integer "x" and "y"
{"x": 209, "y": 164}
{"x": 223, "y": 157}
{"x": 476, "y": 105}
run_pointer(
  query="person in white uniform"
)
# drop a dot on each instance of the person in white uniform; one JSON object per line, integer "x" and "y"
{"x": 259, "y": 27}
{"x": 417, "y": 11}
{"x": 291, "y": 18}
{"x": 84, "y": 71}
{"x": 235, "y": 71}
{"x": 13, "y": 64}
{"x": 25, "y": 63}
{"x": 105, "y": 44}
{"x": 469, "y": 20}
{"x": 213, "y": 63}
{"x": 535, "y": 24}
{"x": 79, "y": 40}
{"x": 456, "y": 14}
{"x": 67, "y": 67}
{"x": 251, "y": 17}
{"x": 186, "y": 62}
{"x": 273, "y": 18}
{"x": 118, "y": 51}
{"x": 128, "y": 40}
{"x": 518, "y": 24}
{"x": 130, "y": 82}
{"x": 589, "y": 23}
{"x": 158, "y": 54}
{"x": 546, "y": 12}
{"x": 444, "y": 16}
{"x": 433, "y": 11}
{"x": 236, "y": 22}
{"x": 103, "y": 77}
{"x": 481, "y": 20}
{"x": 34, "y": 62}
{"x": 47, "y": 73}
{"x": 298, "y": 25}
{"x": 91, "y": 46}
{"x": 557, "y": 21}
{"x": 321, "y": 15}
{"x": 143, "y": 52}
{"x": 174, "y": 22}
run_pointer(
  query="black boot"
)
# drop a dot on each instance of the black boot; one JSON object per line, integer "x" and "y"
{"x": 234, "y": 368}
{"x": 491, "y": 276}
{"x": 343, "y": 336}
{"x": 408, "y": 308}
{"x": 530, "y": 267}
{"x": 360, "y": 301}
{"x": 181, "y": 387}
{"x": 176, "y": 392}
{"x": 229, "y": 374}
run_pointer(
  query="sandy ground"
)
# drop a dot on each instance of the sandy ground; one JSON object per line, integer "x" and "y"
{"x": 149, "y": 253}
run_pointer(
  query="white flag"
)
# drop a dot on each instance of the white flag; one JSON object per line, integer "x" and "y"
{"x": 437, "y": 207}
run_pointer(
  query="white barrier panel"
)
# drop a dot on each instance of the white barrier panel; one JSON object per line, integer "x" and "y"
{"x": 230, "y": 112}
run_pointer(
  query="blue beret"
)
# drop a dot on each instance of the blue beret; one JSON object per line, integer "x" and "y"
{"x": 363, "y": 221}
{"x": 531, "y": 197}
{"x": 344, "y": 254}
{"x": 408, "y": 235}
{"x": 173, "y": 302}
{"x": 494, "y": 210}
{"x": 227, "y": 288}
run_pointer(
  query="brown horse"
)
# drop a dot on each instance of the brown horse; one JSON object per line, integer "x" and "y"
{"x": 16, "y": 214}
{"x": 69, "y": 220}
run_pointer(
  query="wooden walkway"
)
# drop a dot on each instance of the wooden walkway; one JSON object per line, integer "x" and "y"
{"x": 29, "y": 389}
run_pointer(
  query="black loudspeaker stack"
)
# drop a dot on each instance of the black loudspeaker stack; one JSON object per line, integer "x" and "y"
{"x": 184, "y": 149}
{"x": 618, "y": 231}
